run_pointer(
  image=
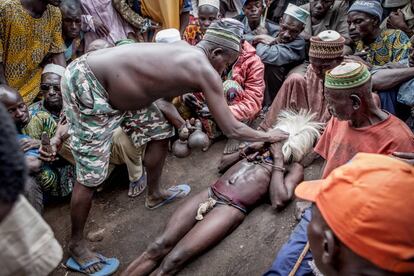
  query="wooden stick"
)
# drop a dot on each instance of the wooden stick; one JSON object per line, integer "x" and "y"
{"x": 300, "y": 260}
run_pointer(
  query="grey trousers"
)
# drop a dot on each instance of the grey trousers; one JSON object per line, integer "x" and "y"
{"x": 33, "y": 193}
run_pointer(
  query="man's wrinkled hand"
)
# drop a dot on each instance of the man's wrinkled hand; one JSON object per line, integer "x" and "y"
{"x": 191, "y": 101}
{"x": 276, "y": 150}
{"x": 100, "y": 28}
{"x": 250, "y": 148}
{"x": 261, "y": 31}
{"x": 49, "y": 153}
{"x": 277, "y": 135}
{"x": 265, "y": 39}
{"x": 396, "y": 21}
{"x": 28, "y": 144}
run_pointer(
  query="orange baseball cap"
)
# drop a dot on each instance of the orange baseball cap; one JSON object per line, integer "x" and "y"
{"x": 369, "y": 205}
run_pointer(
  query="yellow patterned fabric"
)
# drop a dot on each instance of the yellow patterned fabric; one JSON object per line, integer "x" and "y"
{"x": 24, "y": 43}
{"x": 390, "y": 46}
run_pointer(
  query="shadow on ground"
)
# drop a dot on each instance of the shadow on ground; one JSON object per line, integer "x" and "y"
{"x": 129, "y": 226}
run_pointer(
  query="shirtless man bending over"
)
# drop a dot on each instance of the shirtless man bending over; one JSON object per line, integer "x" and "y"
{"x": 117, "y": 87}
{"x": 270, "y": 170}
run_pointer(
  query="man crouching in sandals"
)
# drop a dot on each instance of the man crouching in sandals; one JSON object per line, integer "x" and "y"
{"x": 208, "y": 217}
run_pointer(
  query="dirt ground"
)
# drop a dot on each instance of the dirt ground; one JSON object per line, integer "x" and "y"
{"x": 129, "y": 226}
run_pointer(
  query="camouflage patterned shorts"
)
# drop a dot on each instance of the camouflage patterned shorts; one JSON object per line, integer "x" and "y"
{"x": 92, "y": 121}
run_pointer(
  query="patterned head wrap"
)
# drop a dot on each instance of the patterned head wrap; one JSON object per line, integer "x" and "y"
{"x": 226, "y": 32}
{"x": 327, "y": 45}
{"x": 297, "y": 13}
{"x": 213, "y": 3}
{"x": 55, "y": 69}
{"x": 347, "y": 75}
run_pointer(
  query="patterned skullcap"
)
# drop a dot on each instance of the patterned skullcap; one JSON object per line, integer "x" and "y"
{"x": 213, "y": 3}
{"x": 327, "y": 45}
{"x": 297, "y": 13}
{"x": 226, "y": 32}
{"x": 347, "y": 75}
{"x": 55, "y": 69}
{"x": 371, "y": 7}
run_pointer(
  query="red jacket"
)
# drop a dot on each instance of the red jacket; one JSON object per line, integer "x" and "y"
{"x": 248, "y": 71}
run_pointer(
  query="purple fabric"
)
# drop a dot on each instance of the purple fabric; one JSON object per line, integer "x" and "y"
{"x": 103, "y": 10}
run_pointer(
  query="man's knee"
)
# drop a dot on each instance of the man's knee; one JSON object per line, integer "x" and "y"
{"x": 159, "y": 248}
{"x": 119, "y": 137}
{"x": 295, "y": 78}
{"x": 34, "y": 194}
{"x": 274, "y": 72}
{"x": 123, "y": 149}
{"x": 155, "y": 150}
{"x": 174, "y": 260}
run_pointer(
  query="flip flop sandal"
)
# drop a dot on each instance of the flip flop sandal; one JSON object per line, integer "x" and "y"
{"x": 110, "y": 265}
{"x": 142, "y": 182}
{"x": 179, "y": 191}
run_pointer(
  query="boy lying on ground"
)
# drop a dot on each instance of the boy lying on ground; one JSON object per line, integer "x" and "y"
{"x": 208, "y": 217}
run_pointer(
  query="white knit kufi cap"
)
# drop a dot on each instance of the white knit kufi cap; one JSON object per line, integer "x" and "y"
{"x": 329, "y": 35}
{"x": 167, "y": 36}
{"x": 297, "y": 13}
{"x": 55, "y": 69}
{"x": 214, "y": 3}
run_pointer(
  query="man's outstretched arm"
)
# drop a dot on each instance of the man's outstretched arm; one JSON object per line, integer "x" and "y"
{"x": 212, "y": 88}
{"x": 388, "y": 78}
{"x": 282, "y": 184}
{"x": 170, "y": 112}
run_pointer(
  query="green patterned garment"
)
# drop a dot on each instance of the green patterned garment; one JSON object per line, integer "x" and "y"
{"x": 40, "y": 122}
{"x": 57, "y": 178}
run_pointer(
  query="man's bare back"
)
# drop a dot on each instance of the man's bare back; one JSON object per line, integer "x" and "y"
{"x": 138, "y": 74}
{"x": 158, "y": 71}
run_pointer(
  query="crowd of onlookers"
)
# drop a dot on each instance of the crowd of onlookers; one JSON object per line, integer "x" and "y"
{"x": 351, "y": 63}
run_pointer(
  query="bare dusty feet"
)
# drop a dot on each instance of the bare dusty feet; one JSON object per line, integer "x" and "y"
{"x": 155, "y": 199}
{"x": 168, "y": 195}
{"x": 82, "y": 255}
